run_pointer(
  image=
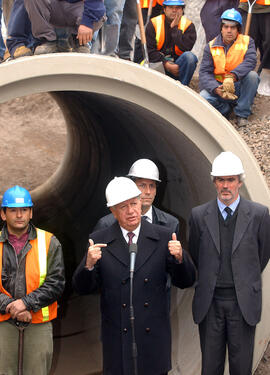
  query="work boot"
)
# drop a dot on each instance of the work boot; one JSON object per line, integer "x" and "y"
{"x": 21, "y": 52}
{"x": 63, "y": 45}
{"x": 242, "y": 122}
{"x": 76, "y": 46}
{"x": 47, "y": 47}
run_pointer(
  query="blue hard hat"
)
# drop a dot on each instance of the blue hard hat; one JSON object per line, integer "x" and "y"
{"x": 17, "y": 196}
{"x": 232, "y": 15}
{"x": 174, "y": 2}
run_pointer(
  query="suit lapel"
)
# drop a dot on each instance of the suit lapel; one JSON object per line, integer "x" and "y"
{"x": 242, "y": 221}
{"x": 147, "y": 243}
{"x": 118, "y": 247}
{"x": 212, "y": 222}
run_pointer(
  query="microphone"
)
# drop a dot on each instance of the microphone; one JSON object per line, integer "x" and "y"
{"x": 133, "y": 248}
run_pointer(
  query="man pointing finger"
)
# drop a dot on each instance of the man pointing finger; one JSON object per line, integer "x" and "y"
{"x": 94, "y": 253}
{"x": 107, "y": 266}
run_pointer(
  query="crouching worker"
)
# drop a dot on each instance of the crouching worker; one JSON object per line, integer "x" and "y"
{"x": 170, "y": 38}
{"x": 227, "y": 77}
{"x": 82, "y": 17}
{"x": 32, "y": 279}
{"x": 106, "y": 265}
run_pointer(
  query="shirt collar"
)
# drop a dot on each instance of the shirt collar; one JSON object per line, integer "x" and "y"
{"x": 232, "y": 206}
{"x": 135, "y": 231}
{"x": 149, "y": 215}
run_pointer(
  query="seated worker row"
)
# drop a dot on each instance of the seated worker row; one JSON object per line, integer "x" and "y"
{"x": 227, "y": 79}
{"x": 170, "y": 38}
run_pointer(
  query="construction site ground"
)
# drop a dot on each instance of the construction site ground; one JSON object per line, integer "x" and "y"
{"x": 33, "y": 134}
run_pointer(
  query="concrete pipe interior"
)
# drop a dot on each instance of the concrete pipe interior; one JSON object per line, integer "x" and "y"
{"x": 117, "y": 112}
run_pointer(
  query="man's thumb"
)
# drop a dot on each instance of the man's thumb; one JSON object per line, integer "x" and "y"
{"x": 91, "y": 242}
{"x": 174, "y": 238}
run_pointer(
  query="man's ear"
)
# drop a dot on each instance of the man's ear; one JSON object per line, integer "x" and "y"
{"x": 3, "y": 215}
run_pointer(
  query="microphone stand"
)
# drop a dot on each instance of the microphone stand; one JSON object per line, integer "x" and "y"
{"x": 133, "y": 251}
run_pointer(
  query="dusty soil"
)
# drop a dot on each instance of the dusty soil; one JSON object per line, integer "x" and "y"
{"x": 33, "y": 135}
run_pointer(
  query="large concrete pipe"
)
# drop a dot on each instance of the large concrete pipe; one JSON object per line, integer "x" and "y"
{"x": 116, "y": 112}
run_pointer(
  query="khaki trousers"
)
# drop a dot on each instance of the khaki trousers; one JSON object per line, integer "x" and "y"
{"x": 38, "y": 349}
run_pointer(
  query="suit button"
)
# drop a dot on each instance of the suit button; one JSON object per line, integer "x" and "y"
{"x": 146, "y": 280}
{"x": 124, "y": 305}
{"x": 123, "y": 282}
{"x": 146, "y": 304}
{"x": 147, "y": 329}
{"x": 125, "y": 330}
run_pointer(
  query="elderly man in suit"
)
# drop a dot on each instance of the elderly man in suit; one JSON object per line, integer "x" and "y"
{"x": 145, "y": 174}
{"x": 230, "y": 245}
{"x": 106, "y": 265}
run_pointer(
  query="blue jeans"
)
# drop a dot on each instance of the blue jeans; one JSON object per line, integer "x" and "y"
{"x": 2, "y": 45}
{"x": 187, "y": 63}
{"x": 127, "y": 30}
{"x": 19, "y": 28}
{"x": 114, "y": 13}
{"x": 245, "y": 89}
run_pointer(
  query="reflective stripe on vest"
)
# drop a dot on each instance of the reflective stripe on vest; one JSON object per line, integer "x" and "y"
{"x": 42, "y": 255}
{"x": 35, "y": 275}
{"x": 159, "y": 25}
{"x": 145, "y": 3}
{"x": 260, "y": 2}
{"x": 224, "y": 64}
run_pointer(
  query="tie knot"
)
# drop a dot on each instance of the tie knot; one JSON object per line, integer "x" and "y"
{"x": 144, "y": 217}
{"x": 130, "y": 237}
{"x": 229, "y": 213}
{"x": 228, "y": 210}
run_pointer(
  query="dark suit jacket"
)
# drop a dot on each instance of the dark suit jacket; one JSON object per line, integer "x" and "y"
{"x": 150, "y": 298}
{"x": 159, "y": 217}
{"x": 250, "y": 254}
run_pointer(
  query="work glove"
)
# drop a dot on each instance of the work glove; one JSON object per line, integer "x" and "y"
{"x": 228, "y": 84}
{"x": 229, "y": 96}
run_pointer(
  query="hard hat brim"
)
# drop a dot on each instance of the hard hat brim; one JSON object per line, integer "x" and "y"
{"x": 19, "y": 205}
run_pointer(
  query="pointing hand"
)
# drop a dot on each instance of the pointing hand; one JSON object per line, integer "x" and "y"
{"x": 94, "y": 253}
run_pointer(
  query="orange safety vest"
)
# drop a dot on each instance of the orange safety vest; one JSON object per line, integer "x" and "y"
{"x": 35, "y": 275}
{"x": 159, "y": 25}
{"x": 145, "y": 3}
{"x": 224, "y": 64}
{"x": 261, "y": 2}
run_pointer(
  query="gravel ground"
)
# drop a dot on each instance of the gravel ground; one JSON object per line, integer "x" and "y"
{"x": 257, "y": 133}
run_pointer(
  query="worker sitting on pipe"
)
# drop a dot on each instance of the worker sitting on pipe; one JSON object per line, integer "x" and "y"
{"x": 170, "y": 38}
{"x": 31, "y": 280}
{"x": 227, "y": 79}
{"x": 82, "y": 18}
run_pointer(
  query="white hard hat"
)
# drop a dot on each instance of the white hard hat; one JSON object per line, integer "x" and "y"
{"x": 121, "y": 189}
{"x": 144, "y": 168}
{"x": 227, "y": 164}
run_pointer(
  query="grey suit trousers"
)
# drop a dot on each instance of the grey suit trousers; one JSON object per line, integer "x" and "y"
{"x": 223, "y": 326}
